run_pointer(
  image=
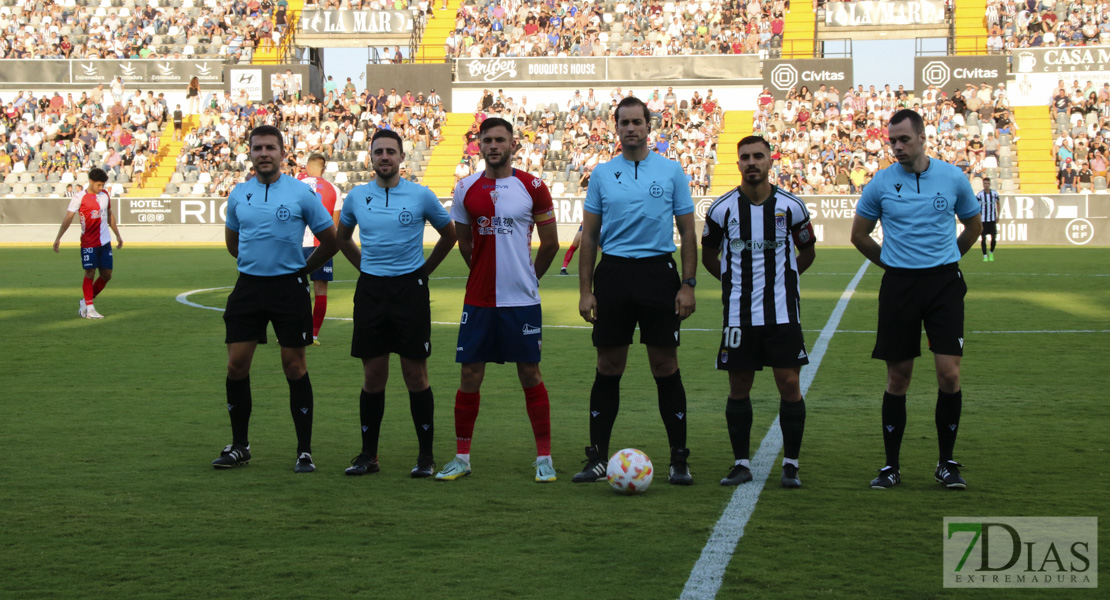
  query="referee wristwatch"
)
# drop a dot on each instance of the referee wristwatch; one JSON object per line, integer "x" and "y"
{"x": 690, "y": 282}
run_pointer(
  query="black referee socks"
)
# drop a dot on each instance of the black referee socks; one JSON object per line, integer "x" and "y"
{"x": 894, "y": 424}
{"x": 605, "y": 401}
{"x": 239, "y": 409}
{"x": 672, "y": 407}
{"x": 949, "y": 407}
{"x": 422, "y": 406}
{"x": 300, "y": 406}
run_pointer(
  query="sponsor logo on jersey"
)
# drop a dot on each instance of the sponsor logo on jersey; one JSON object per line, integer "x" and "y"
{"x": 739, "y": 245}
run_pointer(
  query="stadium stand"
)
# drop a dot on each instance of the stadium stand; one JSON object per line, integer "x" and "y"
{"x": 1011, "y": 24}
{"x": 134, "y": 29}
{"x": 213, "y": 155}
{"x": 618, "y": 28}
{"x": 827, "y": 143}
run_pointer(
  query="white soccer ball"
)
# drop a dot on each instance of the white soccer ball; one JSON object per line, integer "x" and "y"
{"x": 630, "y": 471}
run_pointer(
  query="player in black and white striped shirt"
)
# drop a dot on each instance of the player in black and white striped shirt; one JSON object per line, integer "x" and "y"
{"x": 749, "y": 243}
{"x": 988, "y": 203}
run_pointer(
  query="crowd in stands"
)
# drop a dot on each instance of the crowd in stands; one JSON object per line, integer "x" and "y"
{"x": 133, "y": 29}
{"x": 562, "y": 143}
{"x": 215, "y": 155}
{"x": 425, "y": 6}
{"x": 1046, "y": 23}
{"x": 50, "y": 142}
{"x": 1081, "y": 125}
{"x": 826, "y": 142}
{"x": 520, "y": 28}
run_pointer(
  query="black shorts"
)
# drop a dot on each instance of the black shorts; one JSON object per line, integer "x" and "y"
{"x": 754, "y": 347}
{"x": 636, "y": 290}
{"x": 392, "y": 314}
{"x": 177, "y": 125}
{"x": 283, "y": 300}
{"x": 990, "y": 227}
{"x": 909, "y": 297}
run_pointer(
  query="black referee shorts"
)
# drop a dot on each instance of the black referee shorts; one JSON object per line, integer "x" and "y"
{"x": 392, "y": 314}
{"x": 910, "y": 297}
{"x": 282, "y": 300}
{"x": 636, "y": 290}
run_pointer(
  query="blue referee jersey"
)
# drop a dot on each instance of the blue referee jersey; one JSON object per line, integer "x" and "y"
{"x": 270, "y": 220}
{"x": 917, "y": 211}
{"x": 637, "y": 201}
{"x": 391, "y": 225}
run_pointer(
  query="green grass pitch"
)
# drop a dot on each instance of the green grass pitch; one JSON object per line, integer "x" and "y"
{"x": 108, "y": 428}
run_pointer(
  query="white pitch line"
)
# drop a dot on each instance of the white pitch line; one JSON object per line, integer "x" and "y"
{"x": 183, "y": 298}
{"x": 707, "y": 574}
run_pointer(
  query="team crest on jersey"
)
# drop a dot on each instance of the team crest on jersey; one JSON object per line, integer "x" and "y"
{"x": 940, "y": 203}
{"x": 283, "y": 213}
{"x": 780, "y": 221}
{"x": 724, "y": 356}
{"x": 494, "y": 195}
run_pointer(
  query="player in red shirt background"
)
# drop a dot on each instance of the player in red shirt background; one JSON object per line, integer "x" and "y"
{"x": 314, "y": 177}
{"x": 97, "y": 223}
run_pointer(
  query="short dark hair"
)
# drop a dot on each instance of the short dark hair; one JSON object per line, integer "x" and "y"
{"x": 753, "y": 139}
{"x": 98, "y": 174}
{"x": 915, "y": 119}
{"x": 388, "y": 134}
{"x": 986, "y": 180}
{"x": 629, "y": 102}
{"x": 267, "y": 130}
{"x": 492, "y": 122}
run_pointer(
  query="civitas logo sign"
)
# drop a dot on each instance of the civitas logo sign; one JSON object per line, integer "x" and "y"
{"x": 935, "y": 73}
{"x": 493, "y": 69}
{"x": 786, "y": 76}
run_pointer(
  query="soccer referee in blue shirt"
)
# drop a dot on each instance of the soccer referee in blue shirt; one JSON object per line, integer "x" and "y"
{"x": 392, "y": 303}
{"x": 266, "y": 218}
{"x": 917, "y": 201}
{"x": 638, "y": 197}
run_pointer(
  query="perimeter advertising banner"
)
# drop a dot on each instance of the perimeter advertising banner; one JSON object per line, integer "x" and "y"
{"x": 1024, "y": 219}
{"x": 583, "y": 71}
{"x": 151, "y": 72}
{"x": 889, "y": 12}
{"x": 950, "y": 73}
{"x": 1061, "y": 60}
